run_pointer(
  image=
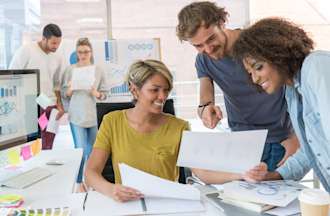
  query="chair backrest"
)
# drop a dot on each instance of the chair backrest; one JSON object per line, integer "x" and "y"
{"x": 104, "y": 108}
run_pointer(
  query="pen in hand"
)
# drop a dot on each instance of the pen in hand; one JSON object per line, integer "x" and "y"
{"x": 143, "y": 203}
{"x": 85, "y": 200}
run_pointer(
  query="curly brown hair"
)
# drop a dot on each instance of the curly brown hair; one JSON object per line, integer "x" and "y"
{"x": 276, "y": 41}
{"x": 198, "y": 14}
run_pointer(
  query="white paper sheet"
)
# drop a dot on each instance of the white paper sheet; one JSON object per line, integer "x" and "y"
{"x": 44, "y": 101}
{"x": 83, "y": 77}
{"x": 53, "y": 124}
{"x": 169, "y": 206}
{"x": 229, "y": 151}
{"x": 292, "y": 209}
{"x": 98, "y": 204}
{"x": 275, "y": 193}
{"x": 153, "y": 186}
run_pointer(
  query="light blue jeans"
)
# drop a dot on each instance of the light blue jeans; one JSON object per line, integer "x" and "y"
{"x": 83, "y": 138}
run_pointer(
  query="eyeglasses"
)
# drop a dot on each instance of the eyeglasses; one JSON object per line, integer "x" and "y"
{"x": 84, "y": 52}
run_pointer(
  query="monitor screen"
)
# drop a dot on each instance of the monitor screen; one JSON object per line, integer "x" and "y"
{"x": 18, "y": 108}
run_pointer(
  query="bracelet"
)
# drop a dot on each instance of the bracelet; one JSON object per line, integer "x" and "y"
{"x": 203, "y": 107}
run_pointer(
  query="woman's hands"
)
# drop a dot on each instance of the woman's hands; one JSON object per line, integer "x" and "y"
{"x": 260, "y": 173}
{"x": 122, "y": 193}
{"x": 257, "y": 173}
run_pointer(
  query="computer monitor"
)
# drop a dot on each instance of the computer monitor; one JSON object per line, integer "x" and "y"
{"x": 18, "y": 108}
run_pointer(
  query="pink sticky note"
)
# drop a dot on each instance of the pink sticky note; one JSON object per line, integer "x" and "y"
{"x": 43, "y": 121}
{"x": 26, "y": 152}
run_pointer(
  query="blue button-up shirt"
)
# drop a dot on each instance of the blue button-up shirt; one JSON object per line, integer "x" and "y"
{"x": 308, "y": 103}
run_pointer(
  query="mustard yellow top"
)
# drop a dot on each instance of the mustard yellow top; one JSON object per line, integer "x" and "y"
{"x": 155, "y": 152}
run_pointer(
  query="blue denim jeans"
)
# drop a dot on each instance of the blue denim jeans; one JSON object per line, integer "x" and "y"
{"x": 83, "y": 138}
{"x": 273, "y": 153}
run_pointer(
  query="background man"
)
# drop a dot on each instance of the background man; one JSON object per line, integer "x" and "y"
{"x": 41, "y": 55}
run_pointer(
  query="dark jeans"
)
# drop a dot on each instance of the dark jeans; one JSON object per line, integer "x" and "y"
{"x": 47, "y": 138}
{"x": 273, "y": 153}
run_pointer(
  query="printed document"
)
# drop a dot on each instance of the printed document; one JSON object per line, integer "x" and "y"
{"x": 83, "y": 78}
{"x": 275, "y": 193}
{"x": 154, "y": 186}
{"x": 228, "y": 151}
{"x": 53, "y": 124}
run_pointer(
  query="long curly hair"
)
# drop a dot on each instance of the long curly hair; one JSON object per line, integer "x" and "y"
{"x": 276, "y": 41}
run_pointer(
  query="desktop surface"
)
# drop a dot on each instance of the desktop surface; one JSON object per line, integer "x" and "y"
{"x": 60, "y": 183}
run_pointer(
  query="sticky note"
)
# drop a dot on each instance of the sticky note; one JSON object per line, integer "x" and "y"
{"x": 26, "y": 152}
{"x": 43, "y": 121}
{"x": 14, "y": 156}
{"x": 36, "y": 147}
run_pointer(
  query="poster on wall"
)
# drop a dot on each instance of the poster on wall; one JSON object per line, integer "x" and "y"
{"x": 115, "y": 57}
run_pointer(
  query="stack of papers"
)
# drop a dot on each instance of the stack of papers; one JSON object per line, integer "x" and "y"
{"x": 10, "y": 201}
{"x": 160, "y": 196}
{"x": 261, "y": 196}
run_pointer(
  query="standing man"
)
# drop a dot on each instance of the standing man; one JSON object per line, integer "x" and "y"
{"x": 41, "y": 55}
{"x": 202, "y": 24}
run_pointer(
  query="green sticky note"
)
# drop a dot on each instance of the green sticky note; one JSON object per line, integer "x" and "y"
{"x": 14, "y": 156}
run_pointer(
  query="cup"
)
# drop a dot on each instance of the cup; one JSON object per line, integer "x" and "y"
{"x": 314, "y": 202}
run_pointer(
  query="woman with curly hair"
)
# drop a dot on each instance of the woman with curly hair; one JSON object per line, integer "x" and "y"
{"x": 277, "y": 53}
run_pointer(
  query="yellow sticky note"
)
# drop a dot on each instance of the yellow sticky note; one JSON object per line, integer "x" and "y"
{"x": 36, "y": 147}
{"x": 14, "y": 156}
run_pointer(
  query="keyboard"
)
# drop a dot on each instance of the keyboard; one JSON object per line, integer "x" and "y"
{"x": 27, "y": 178}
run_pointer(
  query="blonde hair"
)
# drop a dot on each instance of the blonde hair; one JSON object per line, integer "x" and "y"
{"x": 85, "y": 42}
{"x": 140, "y": 71}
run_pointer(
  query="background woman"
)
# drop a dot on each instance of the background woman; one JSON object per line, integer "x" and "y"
{"x": 82, "y": 105}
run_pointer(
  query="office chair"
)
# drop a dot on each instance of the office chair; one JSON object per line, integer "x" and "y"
{"x": 104, "y": 108}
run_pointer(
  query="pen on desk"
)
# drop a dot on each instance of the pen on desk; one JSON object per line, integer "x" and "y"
{"x": 85, "y": 200}
{"x": 143, "y": 203}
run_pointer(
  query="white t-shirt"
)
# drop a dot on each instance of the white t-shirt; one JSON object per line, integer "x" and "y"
{"x": 31, "y": 56}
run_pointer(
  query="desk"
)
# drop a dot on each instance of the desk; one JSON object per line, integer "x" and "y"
{"x": 57, "y": 190}
{"x": 75, "y": 201}
{"x": 60, "y": 183}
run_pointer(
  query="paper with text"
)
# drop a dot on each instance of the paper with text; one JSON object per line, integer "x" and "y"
{"x": 153, "y": 186}
{"x": 83, "y": 78}
{"x": 44, "y": 101}
{"x": 53, "y": 125}
{"x": 228, "y": 151}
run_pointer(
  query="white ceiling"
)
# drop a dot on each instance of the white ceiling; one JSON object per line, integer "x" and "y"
{"x": 137, "y": 14}
{"x": 73, "y": 17}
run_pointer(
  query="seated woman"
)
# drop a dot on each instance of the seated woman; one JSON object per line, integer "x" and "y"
{"x": 277, "y": 54}
{"x": 143, "y": 137}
